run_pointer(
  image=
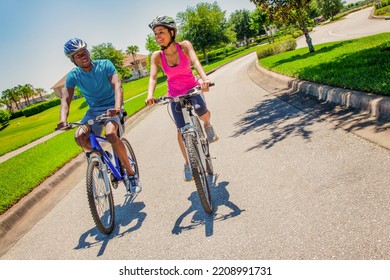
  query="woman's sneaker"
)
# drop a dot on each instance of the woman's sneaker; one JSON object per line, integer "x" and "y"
{"x": 210, "y": 132}
{"x": 187, "y": 173}
{"x": 135, "y": 186}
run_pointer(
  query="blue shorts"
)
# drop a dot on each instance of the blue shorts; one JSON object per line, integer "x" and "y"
{"x": 98, "y": 127}
{"x": 199, "y": 104}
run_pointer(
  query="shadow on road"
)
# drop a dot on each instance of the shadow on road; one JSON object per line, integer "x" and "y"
{"x": 272, "y": 116}
{"x": 128, "y": 214}
{"x": 220, "y": 197}
{"x": 291, "y": 114}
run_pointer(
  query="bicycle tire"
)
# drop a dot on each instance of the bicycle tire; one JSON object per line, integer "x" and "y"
{"x": 199, "y": 174}
{"x": 205, "y": 146}
{"x": 101, "y": 204}
{"x": 131, "y": 156}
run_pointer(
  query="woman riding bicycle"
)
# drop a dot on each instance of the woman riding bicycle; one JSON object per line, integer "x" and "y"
{"x": 175, "y": 58}
{"x": 100, "y": 85}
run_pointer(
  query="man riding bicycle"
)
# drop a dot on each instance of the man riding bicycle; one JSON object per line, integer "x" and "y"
{"x": 101, "y": 86}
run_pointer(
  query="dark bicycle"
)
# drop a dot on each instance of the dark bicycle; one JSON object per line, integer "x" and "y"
{"x": 103, "y": 172}
{"x": 196, "y": 145}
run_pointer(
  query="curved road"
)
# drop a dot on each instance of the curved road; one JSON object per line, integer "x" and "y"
{"x": 355, "y": 25}
{"x": 288, "y": 186}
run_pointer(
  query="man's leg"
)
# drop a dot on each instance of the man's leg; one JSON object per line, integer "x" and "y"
{"x": 118, "y": 146}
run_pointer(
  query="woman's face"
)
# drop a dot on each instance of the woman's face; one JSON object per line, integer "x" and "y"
{"x": 162, "y": 35}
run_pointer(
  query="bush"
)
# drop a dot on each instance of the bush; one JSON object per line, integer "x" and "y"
{"x": 16, "y": 115}
{"x": 38, "y": 108}
{"x": 4, "y": 117}
{"x": 275, "y": 48}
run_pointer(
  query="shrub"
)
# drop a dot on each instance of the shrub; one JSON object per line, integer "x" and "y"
{"x": 16, "y": 115}
{"x": 4, "y": 117}
{"x": 275, "y": 48}
{"x": 38, "y": 108}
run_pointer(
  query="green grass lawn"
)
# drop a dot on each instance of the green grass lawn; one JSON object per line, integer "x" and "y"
{"x": 359, "y": 64}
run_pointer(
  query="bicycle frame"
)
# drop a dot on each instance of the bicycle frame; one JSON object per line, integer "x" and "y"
{"x": 96, "y": 147}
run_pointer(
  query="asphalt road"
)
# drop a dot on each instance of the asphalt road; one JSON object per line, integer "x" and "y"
{"x": 289, "y": 185}
{"x": 356, "y": 25}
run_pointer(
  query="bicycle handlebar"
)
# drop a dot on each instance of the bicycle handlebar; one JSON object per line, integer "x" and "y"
{"x": 166, "y": 99}
{"x": 101, "y": 118}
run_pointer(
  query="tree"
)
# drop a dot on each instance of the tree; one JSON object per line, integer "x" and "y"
{"x": 132, "y": 50}
{"x": 107, "y": 51}
{"x": 4, "y": 100}
{"x": 240, "y": 23}
{"x": 205, "y": 26}
{"x": 257, "y": 19}
{"x": 151, "y": 44}
{"x": 12, "y": 95}
{"x": 329, "y": 8}
{"x": 40, "y": 91}
{"x": 294, "y": 12}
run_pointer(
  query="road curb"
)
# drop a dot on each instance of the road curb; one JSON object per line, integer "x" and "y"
{"x": 374, "y": 105}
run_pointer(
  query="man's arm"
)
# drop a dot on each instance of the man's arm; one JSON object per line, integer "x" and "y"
{"x": 66, "y": 99}
{"x": 117, "y": 86}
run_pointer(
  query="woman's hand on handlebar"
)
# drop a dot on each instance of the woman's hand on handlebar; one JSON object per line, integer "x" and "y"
{"x": 204, "y": 85}
{"x": 150, "y": 101}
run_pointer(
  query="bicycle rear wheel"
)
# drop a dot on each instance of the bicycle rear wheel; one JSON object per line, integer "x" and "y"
{"x": 131, "y": 156}
{"x": 199, "y": 173}
{"x": 100, "y": 198}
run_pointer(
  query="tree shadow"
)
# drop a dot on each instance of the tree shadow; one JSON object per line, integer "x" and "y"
{"x": 83, "y": 105}
{"x": 272, "y": 115}
{"x": 128, "y": 215}
{"x": 4, "y": 126}
{"x": 220, "y": 197}
{"x": 298, "y": 111}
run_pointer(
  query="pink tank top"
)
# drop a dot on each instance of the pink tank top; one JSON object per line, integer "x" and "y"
{"x": 180, "y": 77}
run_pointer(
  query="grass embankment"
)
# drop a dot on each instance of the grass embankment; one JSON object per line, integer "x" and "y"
{"x": 360, "y": 64}
{"x": 22, "y": 173}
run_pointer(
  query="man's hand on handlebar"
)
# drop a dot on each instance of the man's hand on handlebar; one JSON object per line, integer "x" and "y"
{"x": 113, "y": 112}
{"x": 62, "y": 126}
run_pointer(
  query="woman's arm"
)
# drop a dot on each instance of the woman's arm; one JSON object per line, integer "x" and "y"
{"x": 188, "y": 50}
{"x": 154, "y": 63}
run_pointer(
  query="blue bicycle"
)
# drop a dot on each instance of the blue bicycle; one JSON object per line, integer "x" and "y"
{"x": 103, "y": 172}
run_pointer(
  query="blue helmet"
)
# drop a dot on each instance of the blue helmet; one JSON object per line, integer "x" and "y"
{"x": 73, "y": 46}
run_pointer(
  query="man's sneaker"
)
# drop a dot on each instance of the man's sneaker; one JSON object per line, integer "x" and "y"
{"x": 210, "y": 132}
{"x": 135, "y": 186}
{"x": 187, "y": 173}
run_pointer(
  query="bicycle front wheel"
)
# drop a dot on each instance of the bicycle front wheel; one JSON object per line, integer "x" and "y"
{"x": 100, "y": 198}
{"x": 199, "y": 173}
{"x": 205, "y": 145}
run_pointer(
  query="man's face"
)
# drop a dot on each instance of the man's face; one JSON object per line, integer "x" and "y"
{"x": 82, "y": 58}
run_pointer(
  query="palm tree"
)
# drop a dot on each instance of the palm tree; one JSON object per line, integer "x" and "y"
{"x": 133, "y": 51}
{"x": 13, "y": 95}
{"x": 40, "y": 91}
{"x": 4, "y": 100}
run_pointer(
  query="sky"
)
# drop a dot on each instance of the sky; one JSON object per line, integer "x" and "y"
{"x": 33, "y": 32}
